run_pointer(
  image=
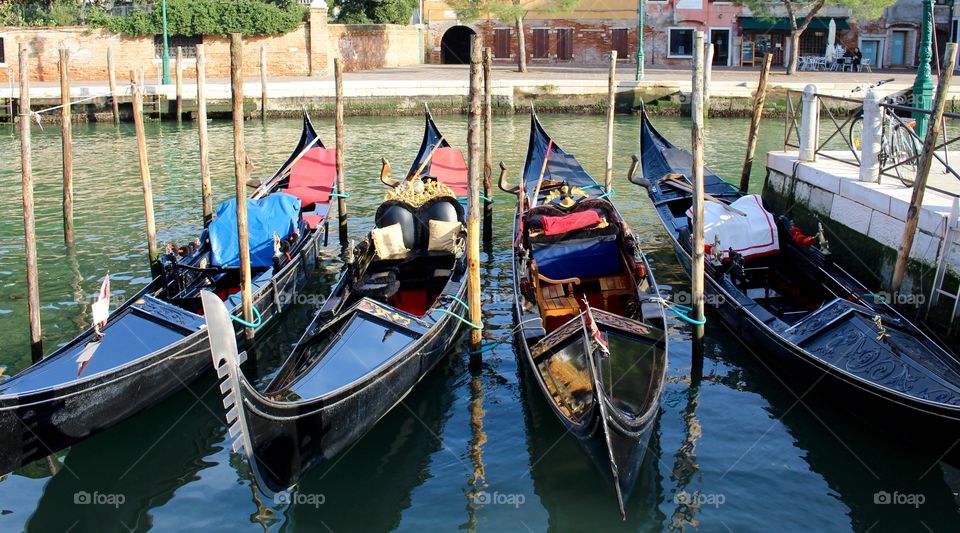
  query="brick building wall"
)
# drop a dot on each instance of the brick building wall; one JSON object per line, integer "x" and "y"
{"x": 306, "y": 51}
{"x": 366, "y": 46}
{"x": 592, "y": 40}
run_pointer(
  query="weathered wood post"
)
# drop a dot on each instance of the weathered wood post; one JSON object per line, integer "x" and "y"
{"x": 112, "y": 77}
{"x": 487, "y": 147}
{"x": 66, "y": 136}
{"x": 205, "y": 188}
{"x": 707, "y": 75}
{"x": 473, "y": 196}
{"x": 338, "y": 125}
{"x": 144, "y": 171}
{"x": 240, "y": 172}
{"x": 179, "y": 80}
{"x": 611, "y": 109}
{"x": 934, "y": 126}
{"x": 29, "y": 220}
{"x": 10, "y": 100}
{"x": 263, "y": 82}
{"x": 759, "y": 99}
{"x": 696, "y": 143}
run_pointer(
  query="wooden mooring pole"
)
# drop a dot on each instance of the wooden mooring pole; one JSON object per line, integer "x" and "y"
{"x": 696, "y": 143}
{"x": 112, "y": 77}
{"x": 707, "y": 75}
{"x": 338, "y": 125}
{"x": 29, "y": 220}
{"x": 934, "y": 127}
{"x": 611, "y": 109}
{"x": 759, "y": 99}
{"x": 240, "y": 172}
{"x": 263, "y": 82}
{"x": 66, "y": 136}
{"x": 487, "y": 147}
{"x": 144, "y": 171}
{"x": 179, "y": 80}
{"x": 205, "y": 188}
{"x": 473, "y": 195}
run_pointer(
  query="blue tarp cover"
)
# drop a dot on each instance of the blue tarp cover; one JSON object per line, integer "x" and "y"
{"x": 277, "y": 213}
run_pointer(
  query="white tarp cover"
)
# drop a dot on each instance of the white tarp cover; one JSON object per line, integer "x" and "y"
{"x": 752, "y": 235}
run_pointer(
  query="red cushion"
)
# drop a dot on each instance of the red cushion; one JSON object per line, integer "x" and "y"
{"x": 309, "y": 196}
{"x": 448, "y": 166}
{"x": 313, "y": 221}
{"x": 571, "y": 222}
{"x": 312, "y": 178}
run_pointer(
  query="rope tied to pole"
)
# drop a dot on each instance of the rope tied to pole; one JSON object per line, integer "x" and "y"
{"x": 679, "y": 310}
{"x": 253, "y": 325}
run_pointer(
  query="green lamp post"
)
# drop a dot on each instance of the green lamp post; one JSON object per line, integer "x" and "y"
{"x": 166, "y": 46}
{"x": 923, "y": 85}
{"x": 640, "y": 41}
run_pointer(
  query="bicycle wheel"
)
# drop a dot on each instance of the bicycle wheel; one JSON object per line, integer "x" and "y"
{"x": 904, "y": 153}
{"x": 856, "y": 132}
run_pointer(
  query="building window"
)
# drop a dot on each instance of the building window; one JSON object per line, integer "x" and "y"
{"x": 618, "y": 38}
{"x": 3, "y": 57}
{"x": 564, "y": 44}
{"x": 188, "y": 44}
{"x": 501, "y": 42}
{"x": 541, "y": 43}
{"x": 681, "y": 42}
{"x": 813, "y": 43}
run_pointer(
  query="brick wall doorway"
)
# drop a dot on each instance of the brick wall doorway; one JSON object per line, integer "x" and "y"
{"x": 455, "y": 46}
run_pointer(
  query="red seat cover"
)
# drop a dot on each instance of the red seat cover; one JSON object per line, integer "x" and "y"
{"x": 450, "y": 169}
{"x": 567, "y": 223}
{"x": 312, "y": 177}
{"x": 313, "y": 221}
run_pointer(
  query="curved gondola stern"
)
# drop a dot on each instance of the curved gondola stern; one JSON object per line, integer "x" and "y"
{"x": 226, "y": 362}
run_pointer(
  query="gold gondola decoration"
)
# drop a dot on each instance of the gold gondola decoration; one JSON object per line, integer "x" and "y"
{"x": 415, "y": 192}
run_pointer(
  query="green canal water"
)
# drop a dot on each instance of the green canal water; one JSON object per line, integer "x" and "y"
{"x": 735, "y": 451}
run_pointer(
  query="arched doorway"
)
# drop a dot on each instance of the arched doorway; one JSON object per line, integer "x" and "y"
{"x": 455, "y": 46}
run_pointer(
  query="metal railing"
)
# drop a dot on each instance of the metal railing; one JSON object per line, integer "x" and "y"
{"x": 840, "y": 114}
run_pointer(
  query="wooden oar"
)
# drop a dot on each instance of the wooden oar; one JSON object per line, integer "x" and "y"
{"x": 427, "y": 159}
{"x": 543, "y": 170}
{"x": 674, "y": 181}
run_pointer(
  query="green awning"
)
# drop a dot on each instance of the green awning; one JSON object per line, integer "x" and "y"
{"x": 783, "y": 23}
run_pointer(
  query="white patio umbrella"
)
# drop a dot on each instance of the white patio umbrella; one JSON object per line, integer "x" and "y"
{"x": 831, "y": 53}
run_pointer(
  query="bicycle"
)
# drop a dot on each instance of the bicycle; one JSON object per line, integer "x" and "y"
{"x": 898, "y": 143}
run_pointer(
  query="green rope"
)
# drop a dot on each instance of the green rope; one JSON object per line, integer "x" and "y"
{"x": 876, "y": 297}
{"x": 488, "y": 200}
{"x": 594, "y": 186}
{"x": 338, "y": 195}
{"x": 460, "y": 318}
{"x": 459, "y": 301}
{"x": 611, "y": 192}
{"x": 244, "y": 323}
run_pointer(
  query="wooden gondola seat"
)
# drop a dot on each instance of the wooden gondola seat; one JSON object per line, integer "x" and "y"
{"x": 312, "y": 178}
{"x": 553, "y": 299}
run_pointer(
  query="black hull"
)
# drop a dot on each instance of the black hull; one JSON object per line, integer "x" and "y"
{"x": 284, "y": 441}
{"x": 38, "y": 424}
{"x": 615, "y": 441}
{"x": 934, "y": 425}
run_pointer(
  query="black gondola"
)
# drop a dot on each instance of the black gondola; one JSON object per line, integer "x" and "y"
{"x": 155, "y": 343}
{"x": 388, "y": 320}
{"x": 585, "y": 298}
{"x": 795, "y": 306}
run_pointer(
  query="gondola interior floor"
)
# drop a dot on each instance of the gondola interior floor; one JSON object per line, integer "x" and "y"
{"x": 347, "y": 361}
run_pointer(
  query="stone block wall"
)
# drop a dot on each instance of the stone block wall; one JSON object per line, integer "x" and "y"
{"x": 306, "y": 51}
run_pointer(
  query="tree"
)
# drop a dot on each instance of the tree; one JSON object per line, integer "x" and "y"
{"x": 375, "y": 11}
{"x": 508, "y": 11}
{"x": 801, "y": 12}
